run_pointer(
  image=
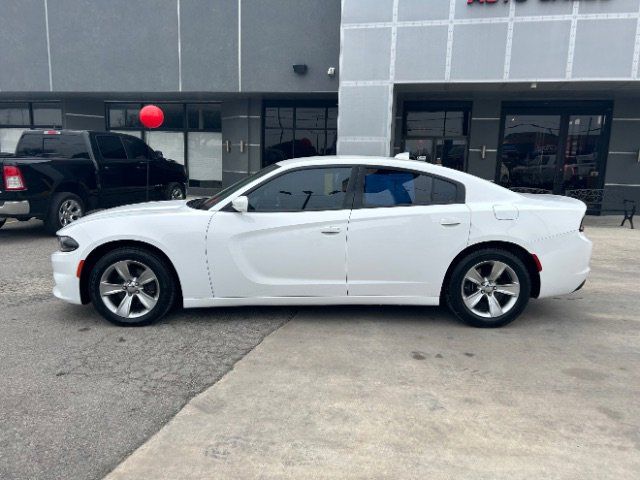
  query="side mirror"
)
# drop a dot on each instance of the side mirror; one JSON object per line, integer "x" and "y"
{"x": 240, "y": 204}
{"x": 158, "y": 154}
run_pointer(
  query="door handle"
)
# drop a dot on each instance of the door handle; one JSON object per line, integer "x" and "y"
{"x": 332, "y": 230}
{"x": 449, "y": 222}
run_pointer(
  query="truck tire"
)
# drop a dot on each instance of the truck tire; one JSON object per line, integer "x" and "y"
{"x": 174, "y": 191}
{"x": 65, "y": 207}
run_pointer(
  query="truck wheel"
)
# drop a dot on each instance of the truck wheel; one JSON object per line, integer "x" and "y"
{"x": 174, "y": 191}
{"x": 489, "y": 288}
{"x": 132, "y": 287}
{"x": 65, "y": 208}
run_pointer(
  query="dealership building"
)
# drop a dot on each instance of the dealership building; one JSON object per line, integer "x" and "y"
{"x": 537, "y": 95}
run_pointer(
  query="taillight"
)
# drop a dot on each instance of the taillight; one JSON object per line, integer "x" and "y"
{"x": 582, "y": 225}
{"x": 13, "y": 178}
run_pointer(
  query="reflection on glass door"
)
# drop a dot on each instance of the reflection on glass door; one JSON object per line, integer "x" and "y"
{"x": 584, "y": 137}
{"x": 554, "y": 150}
{"x": 436, "y": 135}
{"x": 529, "y": 151}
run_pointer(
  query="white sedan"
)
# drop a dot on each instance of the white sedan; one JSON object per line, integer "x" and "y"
{"x": 325, "y": 231}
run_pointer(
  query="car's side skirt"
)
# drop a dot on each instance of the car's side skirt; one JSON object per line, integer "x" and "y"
{"x": 360, "y": 300}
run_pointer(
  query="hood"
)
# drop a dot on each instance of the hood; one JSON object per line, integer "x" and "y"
{"x": 138, "y": 209}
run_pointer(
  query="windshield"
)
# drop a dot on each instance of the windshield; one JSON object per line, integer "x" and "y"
{"x": 207, "y": 203}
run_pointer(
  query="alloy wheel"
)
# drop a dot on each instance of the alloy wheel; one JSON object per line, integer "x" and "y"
{"x": 177, "y": 194}
{"x": 70, "y": 211}
{"x": 490, "y": 289}
{"x": 129, "y": 288}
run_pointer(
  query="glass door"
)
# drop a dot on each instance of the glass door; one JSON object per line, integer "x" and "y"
{"x": 436, "y": 133}
{"x": 555, "y": 149}
{"x": 529, "y": 152}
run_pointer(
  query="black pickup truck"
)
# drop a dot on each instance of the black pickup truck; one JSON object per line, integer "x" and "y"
{"x": 58, "y": 175}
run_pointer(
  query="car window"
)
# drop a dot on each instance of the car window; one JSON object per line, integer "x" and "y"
{"x": 111, "y": 146}
{"x": 137, "y": 149}
{"x": 303, "y": 190}
{"x": 386, "y": 187}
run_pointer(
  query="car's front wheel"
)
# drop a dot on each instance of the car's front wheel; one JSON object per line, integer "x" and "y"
{"x": 489, "y": 288}
{"x": 132, "y": 287}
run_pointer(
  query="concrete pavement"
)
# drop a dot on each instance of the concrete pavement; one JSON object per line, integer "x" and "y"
{"x": 410, "y": 393}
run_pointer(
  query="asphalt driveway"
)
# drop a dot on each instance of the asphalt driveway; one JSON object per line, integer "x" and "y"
{"x": 77, "y": 395}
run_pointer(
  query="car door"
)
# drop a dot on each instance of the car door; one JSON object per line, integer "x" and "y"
{"x": 122, "y": 180}
{"x": 291, "y": 242}
{"x": 405, "y": 229}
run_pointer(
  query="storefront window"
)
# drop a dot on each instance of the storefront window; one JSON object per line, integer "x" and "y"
{"x": 554, "y": 149}
{"x": 299, "y": 129}
{"x": 190, "y": 135}
{"x": 436, "y": 133}
{"x": 15, "y": 118}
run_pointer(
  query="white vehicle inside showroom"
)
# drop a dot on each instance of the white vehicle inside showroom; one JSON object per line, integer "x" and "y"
{"x": 330, "y": 230}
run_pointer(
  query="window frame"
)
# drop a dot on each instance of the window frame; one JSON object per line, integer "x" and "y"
{"x": 295, "y": 105}
{"x": 184, "y": 130}
{"x": 31, "y": 125}
{"x": 358, "y": 202}
{"x": 347, "y": 203}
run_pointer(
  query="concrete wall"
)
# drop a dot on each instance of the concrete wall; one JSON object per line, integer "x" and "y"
{"x": 168, "y": 45}
{"x": 395, "y": 42}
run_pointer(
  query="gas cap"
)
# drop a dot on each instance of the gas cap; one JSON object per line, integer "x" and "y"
{"x": 505, "y": 212}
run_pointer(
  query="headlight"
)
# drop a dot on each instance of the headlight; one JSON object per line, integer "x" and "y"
{"x": 67, "y": 244}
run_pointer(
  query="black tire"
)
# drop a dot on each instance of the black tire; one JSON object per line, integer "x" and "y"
{"x": 171, "y": 192}
{"x": 488, "y": 293}
{"x": 2, "y": 222}
{"x": 53, "y": 222}
{"x": 164, "y": 287}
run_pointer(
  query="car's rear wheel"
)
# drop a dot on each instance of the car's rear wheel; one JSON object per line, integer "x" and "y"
{"x": 489, "y": 288}
{"x": 132, "y": 287}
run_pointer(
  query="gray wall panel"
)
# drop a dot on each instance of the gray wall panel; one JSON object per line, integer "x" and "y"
{"x": 366, "y": 54}
{"x": 278, "y": 33}
{"x": 119, "y": 45}
{"x": 530, "y": 57}
{"x": 609, "y": 6}
{"x": 430, "y": 63}
{"x": 478, "y": 10}
{"x": 23, "y": 46}
{"x": 363, "y": 111}
{"x": 533, "y": 8}
{"x": 367, "y": 11}
{"x": 412, "y": 10}
{"x": 604, "y": 48}
{"x": 625, "y": 136}
{"x": 471, "y": 59}
{"x": 209, "y": 45}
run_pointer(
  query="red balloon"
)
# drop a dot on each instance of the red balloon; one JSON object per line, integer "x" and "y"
{"x": 151, "y": 116}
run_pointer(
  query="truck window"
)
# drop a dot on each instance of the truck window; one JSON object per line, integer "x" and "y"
{"x": 29, "y": 146}
{"x": 64, "y": 146}
{"x": 137, "y": 149}
{"x": 111, "y": 146}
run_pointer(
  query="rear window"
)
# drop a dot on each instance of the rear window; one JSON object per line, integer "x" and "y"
{"x": 58, "y": 146}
